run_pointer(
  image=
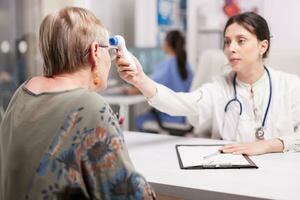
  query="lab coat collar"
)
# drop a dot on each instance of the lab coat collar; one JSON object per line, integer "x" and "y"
{"x": 260, "y": 82}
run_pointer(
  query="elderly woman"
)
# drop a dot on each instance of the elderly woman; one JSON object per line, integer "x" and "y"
{"x": 59, "y": 139}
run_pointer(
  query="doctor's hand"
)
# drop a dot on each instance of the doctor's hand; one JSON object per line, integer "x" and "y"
{"x": 136, "y": 77}
{"x": 254, "y": 148}
{"x": 129, "y": 74}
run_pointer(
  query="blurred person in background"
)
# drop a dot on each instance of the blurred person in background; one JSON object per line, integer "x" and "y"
{"x": 174, "y": 72}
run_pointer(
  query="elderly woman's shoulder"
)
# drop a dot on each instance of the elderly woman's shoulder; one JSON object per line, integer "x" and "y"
{"x": 92, "y": 103}
{"x": 91, "y": 98}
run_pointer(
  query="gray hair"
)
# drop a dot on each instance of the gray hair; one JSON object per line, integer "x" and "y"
{"x": 65, "y": 38}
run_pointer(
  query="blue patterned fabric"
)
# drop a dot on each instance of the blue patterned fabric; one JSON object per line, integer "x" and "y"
{"x": 84, "y": 158}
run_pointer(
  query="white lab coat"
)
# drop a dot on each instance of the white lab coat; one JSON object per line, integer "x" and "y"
{"x": 208, "y": 103}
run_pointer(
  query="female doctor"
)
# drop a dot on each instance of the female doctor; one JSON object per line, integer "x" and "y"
{"x": 254, "y": 105}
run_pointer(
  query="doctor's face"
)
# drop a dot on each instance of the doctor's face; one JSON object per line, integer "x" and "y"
{"x": 241, "y": 47}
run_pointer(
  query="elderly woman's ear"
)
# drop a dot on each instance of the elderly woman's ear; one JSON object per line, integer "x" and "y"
{"x": 94, "y": 62}
{"x": 94, "y": 55}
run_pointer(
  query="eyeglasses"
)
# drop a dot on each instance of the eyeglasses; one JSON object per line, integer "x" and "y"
{"x": 111, "y": 50}
{"x": 103, "y": 46}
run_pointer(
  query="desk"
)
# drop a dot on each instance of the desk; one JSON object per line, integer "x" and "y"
{"x": 124, "y": 101}
{"x": 155, "y": 157}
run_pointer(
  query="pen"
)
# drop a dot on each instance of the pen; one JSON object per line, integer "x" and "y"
{"x": 212, "y": 154}
{"x": 226, "y": 165}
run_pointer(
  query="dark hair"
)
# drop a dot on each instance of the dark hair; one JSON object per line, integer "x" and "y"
{"x": 177, "y": 43}
{"x": 254, "y": 23}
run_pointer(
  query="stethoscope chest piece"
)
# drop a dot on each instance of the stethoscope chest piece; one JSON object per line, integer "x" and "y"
{"x": 260, "y": 133}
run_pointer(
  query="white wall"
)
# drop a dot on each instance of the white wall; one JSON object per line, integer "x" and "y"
{"x": 136, "y": 20}
{"x": 207, "y": 16}
{"x": 117, "y": 16}
{"x": 284, "y": 21}
{"x": 145, "y": 23}
{"x": 54, "y": 5}
{"x": 192, "y": 26}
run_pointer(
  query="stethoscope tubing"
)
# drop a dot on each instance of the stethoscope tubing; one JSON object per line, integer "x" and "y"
{"x": 240, "y": 104}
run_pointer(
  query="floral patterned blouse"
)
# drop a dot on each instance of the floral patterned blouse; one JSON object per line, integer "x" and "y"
{"x": 65, "y": 145}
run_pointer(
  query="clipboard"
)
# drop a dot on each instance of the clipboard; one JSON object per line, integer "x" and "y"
{"x": 230, "y": 161}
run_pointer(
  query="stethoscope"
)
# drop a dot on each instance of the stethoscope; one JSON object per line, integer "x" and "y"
{"x": 259, "y": 134}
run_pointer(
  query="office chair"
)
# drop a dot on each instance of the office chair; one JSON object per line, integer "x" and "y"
{"x": 168, "y": 127}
